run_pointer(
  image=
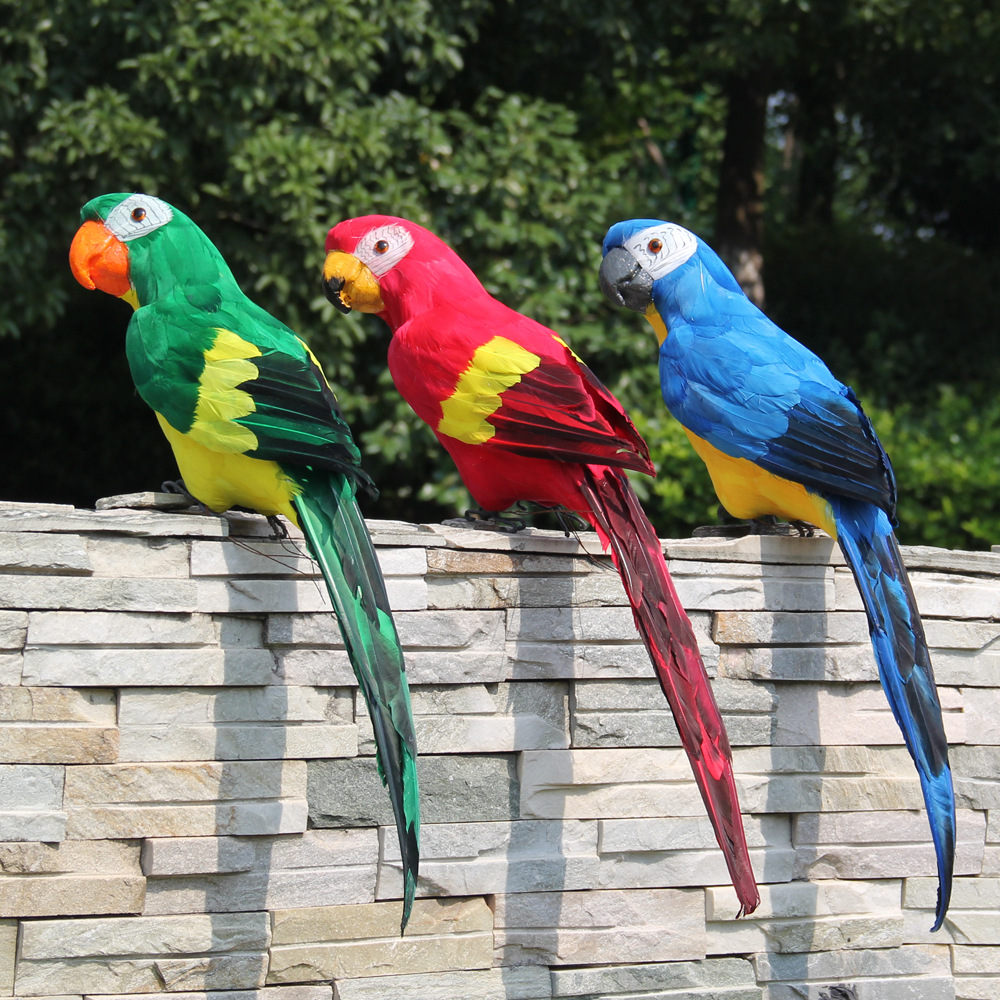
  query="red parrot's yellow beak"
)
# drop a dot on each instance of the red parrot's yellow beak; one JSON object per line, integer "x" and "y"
{"x": 100, "y": 260}
{"x": 350, "y": 284}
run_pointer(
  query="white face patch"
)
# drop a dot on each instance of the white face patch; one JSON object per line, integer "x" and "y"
{"x": 383, "y": 247}
{"x": 662, "y": 249}
{"x": 138, "y": 215}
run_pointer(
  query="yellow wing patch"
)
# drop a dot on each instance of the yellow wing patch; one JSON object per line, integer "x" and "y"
{"x": 220, "y": 401}
{"x": 494, "y": 367}
{"x": 748, "y": 491}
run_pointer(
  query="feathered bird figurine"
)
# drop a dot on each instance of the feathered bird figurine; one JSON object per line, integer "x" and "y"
{"x": 253, "y": 423}
{"x": 525, "y": 419}
{"x": 781, "y": 436}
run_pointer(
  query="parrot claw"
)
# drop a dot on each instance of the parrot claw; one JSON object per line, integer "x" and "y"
{"x": 278, "y": 528}
{"x": 492, "y": 520}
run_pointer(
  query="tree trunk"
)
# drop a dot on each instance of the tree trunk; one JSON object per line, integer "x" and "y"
{"x": 739, "y": 221}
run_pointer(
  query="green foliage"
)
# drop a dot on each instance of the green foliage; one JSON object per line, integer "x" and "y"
{"x": 518, "y": 133}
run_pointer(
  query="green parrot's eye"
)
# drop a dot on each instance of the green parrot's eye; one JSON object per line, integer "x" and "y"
{"x": 655, "y": 246}
{"x": 381, "y": 246}
{"x": 138, "y": 214}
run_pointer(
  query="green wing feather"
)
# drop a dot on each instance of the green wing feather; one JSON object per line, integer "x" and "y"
{"x": 339, "y": 540}
{"x": 294, "y": 415}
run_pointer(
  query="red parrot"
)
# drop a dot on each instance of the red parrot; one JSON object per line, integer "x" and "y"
{"x": 525, "y": 419}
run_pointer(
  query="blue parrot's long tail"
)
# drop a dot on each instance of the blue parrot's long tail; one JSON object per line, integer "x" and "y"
{"x": 338, "y": 539}
{"x": 904, "y": 666}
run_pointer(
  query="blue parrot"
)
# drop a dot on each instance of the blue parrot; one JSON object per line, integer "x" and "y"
{"x": 781, "y": 436}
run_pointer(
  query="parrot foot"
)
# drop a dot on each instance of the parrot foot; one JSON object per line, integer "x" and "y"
{"x": 177, "y": 488}
{"x": 494, "y": 520}
{"x": 278, "y": 528}
{"x": 840, "y": 992}
{"x": 766, "y": 525}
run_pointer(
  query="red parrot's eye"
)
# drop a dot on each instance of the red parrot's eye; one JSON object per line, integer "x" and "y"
{"x": 138, "y": 214}
{"x": 381, "y": 246}
{"x": 655, "y": 246}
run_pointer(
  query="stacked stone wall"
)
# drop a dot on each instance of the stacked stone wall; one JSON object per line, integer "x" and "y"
{"x": 189, "y": 804}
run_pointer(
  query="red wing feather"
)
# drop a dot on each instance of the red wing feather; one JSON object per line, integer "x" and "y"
{"x": 559, "y": 410}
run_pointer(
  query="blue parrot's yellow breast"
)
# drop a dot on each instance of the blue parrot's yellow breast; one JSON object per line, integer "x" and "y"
{"x": 748, "y": 491}
{"x": 221, "y": 479}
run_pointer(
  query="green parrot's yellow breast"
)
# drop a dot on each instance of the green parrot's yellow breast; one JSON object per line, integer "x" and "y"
{"x": 748, "y": 491}
{"x": 221, "y": 479}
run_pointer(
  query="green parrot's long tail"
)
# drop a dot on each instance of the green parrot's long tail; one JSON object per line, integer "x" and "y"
{"x": 338, "y": 539}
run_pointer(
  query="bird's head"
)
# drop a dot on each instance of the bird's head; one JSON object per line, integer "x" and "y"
{"x": 393, "y": 267}
{"x": 637, "y": 254}
{"x": 136, "y": 246}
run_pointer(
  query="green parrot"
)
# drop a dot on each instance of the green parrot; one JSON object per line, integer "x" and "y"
{"x": 253, "y": 423}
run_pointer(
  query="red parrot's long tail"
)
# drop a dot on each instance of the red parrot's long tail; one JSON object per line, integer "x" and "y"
{"x": 615, "y": 512}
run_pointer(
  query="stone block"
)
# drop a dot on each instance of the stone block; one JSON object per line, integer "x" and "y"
{"x": 826, "y": 779}
{"x": 910, "y": 971}
{"x": 41, "y": 553}
{"x": 784, "y": 628}
{"x": 143, "y": 954}
{"x": 437, "y": 630}
{"x": 799, "y": 663}
{"x": 565, "y": 660}
{"x": 504, "y": 560}
{"x": 70, "y": 666}
{"x": 300, "y": 992}
{"x": 120, "y": 628}
{"x": 631, "y": 713}
{"x": 32, "y": 802}
{"x": 238, "y": 595}
{"x": 238, "y": 798}
{"x": 81, "y": 878}
{"x": 11, "y": 666}
{"x": 453, "y": 789}
{"x": 164, "y": 558}
{"x": 758, "y": 549}
{"x": 603, "y": 784}
{"x": 844, "y": 714}
{"x": 290, "y": 557}
{"x": 336, "y": 866}
{"x": 717, "y": 586}
{"x": 350, "y": 942}
{"x": 523, "y": 983}
{"x": 597, "y": 927}
{"x": 13, "y": 629}
{"x": 8, "y": 956}
{"x": 876, "y": 844}
{"x": 638, "y": 853}
{"x": 510, "y": 591}
{"x": 236, "y": 723}
{"x": 819, "y": 934}
{"x": 59, "y": 518}
{"x": 715, "y": 978}
{"x": 197, "y": 855}
{"x": 475, "y": 859}
{"x": 982, "y": 714}
{"x": 952, "y": 595}
{"x": 480, "y": 719}
{"x": 56, "y": 726}
{"x": 72, "y": 593}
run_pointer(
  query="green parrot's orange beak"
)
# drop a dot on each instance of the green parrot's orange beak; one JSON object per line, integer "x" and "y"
{"x": 350, "y": 284}
{"x": 100, "y": 260}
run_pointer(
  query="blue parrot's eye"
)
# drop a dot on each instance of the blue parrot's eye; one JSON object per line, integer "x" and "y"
{"x": 381, "y": 246}
{"x": 655, "y": 246}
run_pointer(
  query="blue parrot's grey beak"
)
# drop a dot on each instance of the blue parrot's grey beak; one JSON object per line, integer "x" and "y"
{"x": 624, "y": 282}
